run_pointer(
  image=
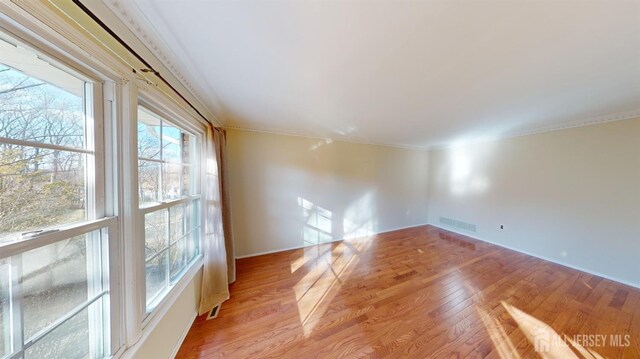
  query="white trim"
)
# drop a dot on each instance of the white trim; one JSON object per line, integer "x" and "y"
{"x": 129, "y": 13}
{"x": 169, "y": 112}
{"x": 45, "y": 145}
{"x": 347, "y": 139}
{"x": 332, "y": 241}
{"x": 282, "y": 250}
{"x": 152, "y": 321}
{"x": 119, "y": 24}
{"x": 183, "y": 336}
{"x": 31, "y": 22}
{"x": 56, "y": 235}
{"x": 620, "y": 116}
{"x": 133, "y": 277}
{"x": 564, "y": 264}
{"x": 158, "y": 206}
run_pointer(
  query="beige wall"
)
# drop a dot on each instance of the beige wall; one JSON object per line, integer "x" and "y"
{"x": 166, "y": 338}
{"x": 289, "y": 191}
{"x": 570, "y": 196}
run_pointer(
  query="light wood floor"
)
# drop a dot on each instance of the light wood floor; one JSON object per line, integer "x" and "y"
{"x": 415, "y": 293}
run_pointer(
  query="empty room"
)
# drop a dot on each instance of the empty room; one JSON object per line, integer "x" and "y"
{"x": 319, "y": 179}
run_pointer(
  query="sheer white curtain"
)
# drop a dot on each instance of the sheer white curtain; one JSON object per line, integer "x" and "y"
{"x": 217, "y": 244}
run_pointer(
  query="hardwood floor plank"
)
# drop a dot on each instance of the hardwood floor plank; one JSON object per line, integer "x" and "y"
{"x": 414, "y": 293}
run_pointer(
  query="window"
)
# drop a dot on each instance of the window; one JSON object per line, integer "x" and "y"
{"x": 169, "y": 199}
{"x": 67, "y": 169}
{"x": 54, "y": 237}
{"x": 43, "y": 144}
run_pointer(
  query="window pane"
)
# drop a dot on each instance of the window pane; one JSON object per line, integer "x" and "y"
{"x": 39, "y": 102}
{"x": 155, "y": 232}
{"x": 192, "y": 215}
{"x": 148, "y": 134}
{"x": 171, "y": 181}
{"x": 39, "y": 188}
{"x": 177, "y": 222}
{"x": 187, "y": 187}
{"x": 148, "y": 182}
{"x": 190, "y": 170}
{"x": 188, "y": 142}
{"x": 55, "y": 281}
{"x": 171, "y": 143}
{"x": 70, "y": 340}
{"x": 193, "y": 225}
{"x": 5, "y": 324}
{"x": 178, "y": 257}
{"x": 157, "y": 280}
{"x": 193, "y": 244}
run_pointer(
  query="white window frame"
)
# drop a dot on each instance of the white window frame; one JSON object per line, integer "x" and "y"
{"x": 104, "y": 246}
{"x": 100, "y": 195}
{"x": 157, "y": 104}
{"x": 51, "y": 35}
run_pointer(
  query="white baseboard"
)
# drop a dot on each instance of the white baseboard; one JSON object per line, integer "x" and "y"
{"x": 332, "y": 241}
{"x": 183, "y": 336}
{"x": 635, "y": 285}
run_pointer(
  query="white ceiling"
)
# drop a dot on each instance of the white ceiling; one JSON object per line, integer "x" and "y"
{"x": 407, "y": 73}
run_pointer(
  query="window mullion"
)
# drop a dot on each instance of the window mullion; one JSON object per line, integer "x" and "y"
{"x": 14, "y": 248}
{"x": 17, "y": 313}
{"x": 93, "y": 200}
{"x": 133, "y": 220}
{"x": 162, "y": 164}
{"x": 167, "y": 277}
{"x": 96, "y": 136}
{"x": 168, "y": 204}
{"x": 112, "y": 254}
{"x": 43, "y": 145}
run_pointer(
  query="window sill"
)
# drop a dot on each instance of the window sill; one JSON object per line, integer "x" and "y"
{"x": 152, "y": 320}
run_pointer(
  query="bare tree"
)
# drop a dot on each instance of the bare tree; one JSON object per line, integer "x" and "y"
{"x": 38, "y": 186}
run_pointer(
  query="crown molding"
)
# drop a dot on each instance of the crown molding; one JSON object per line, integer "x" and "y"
{"x": 598, "y": 120}
{"x": 580, "y": 123}
{"x": 620, "y": 116}
{"x": 135, "y": 20}
{"x": 347, "y": 139}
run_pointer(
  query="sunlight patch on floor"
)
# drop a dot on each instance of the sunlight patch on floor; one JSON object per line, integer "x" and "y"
{"x": 499, "y": 337}
{"x": 546, "y": 341}
{"x": 330, "y": 262}
{"x": 317, "y": 289}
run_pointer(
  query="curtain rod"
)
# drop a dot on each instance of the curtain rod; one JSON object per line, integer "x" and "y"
{"x": 149, "y": 68}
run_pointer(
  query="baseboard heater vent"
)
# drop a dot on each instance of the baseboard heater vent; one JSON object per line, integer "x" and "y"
{"x": 214, "y": 312}
{"x": 458, "y": 224}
